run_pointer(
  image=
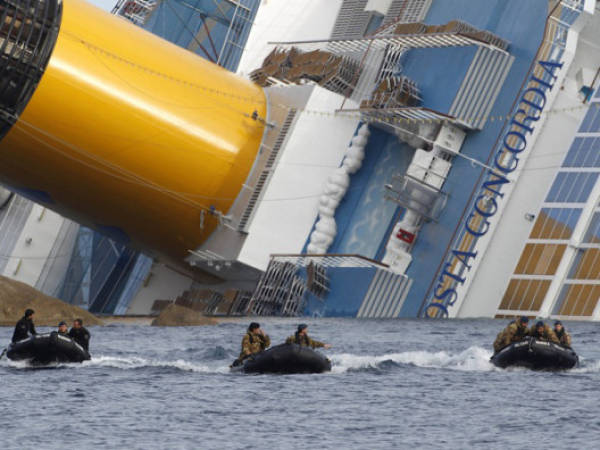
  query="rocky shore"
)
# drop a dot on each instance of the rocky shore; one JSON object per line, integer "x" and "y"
{"x": 16, "y": 297}
{"x": 175, "y": 315}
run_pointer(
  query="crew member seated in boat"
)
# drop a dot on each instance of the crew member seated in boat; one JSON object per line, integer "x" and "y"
{"x": 563, "y": 336}
{"x": 543, "y": 332}
{"x": 255, "y": 340}
{"x": 301, "y": 338}
{"x": 62, "y": 329}
{"x": 79, "y": 334}
{"x": 515, "y": 331}
{"x": 24, "y": 327}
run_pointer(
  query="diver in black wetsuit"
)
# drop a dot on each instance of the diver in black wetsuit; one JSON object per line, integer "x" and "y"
{"x": 24, "y": 327}
{"x": 79, "y": 334}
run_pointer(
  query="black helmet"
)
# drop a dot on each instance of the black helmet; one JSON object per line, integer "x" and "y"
{"x": 301, "y": 327}
{"x": 539, "y": 323}
{"x": 29, "y": 312}
{"x": 253, "y": 326}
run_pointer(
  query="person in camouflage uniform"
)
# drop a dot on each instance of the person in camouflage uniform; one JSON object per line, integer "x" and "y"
{"x": 515, "y": 331}
{"x": 254, "y": 341}
{"x": 301, "y": 338}
{"x": 563, "y": 336}
{"x": 543, "y": 332}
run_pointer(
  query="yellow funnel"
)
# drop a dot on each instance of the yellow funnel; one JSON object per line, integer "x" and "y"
{"x": 128, "y": 133}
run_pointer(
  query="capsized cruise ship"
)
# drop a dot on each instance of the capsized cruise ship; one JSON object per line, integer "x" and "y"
{"x": 371, "y": 158}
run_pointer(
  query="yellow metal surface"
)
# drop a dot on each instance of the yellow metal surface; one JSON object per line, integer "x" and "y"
{"x": 130, "y": 133}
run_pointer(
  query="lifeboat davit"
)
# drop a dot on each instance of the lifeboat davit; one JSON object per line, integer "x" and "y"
{"x": 287, "y": 359}
{"x": 42, "y": 349}
{"x": 536, "y": 355}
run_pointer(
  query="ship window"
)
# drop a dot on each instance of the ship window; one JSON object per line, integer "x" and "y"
{"x": 573, "y": 155}
{"x": 572, "y": 187}
{"x": 589, "y": 154}
{"x": 540, "y": 259}
{"x": 592, "y": 235}
{"x": 589, "y": 119}
{"x": 556, "y": 186}
{"x": 595, "y": 126}
{"x": 582, "y": 157}
{"x": 525, "y": 295}
{"x": 586, "y": 265}
{"x": 555, "y": 223}
{"x": 577, "y": 300}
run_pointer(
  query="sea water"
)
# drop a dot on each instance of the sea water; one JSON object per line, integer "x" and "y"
{"x": 394, "y": 384}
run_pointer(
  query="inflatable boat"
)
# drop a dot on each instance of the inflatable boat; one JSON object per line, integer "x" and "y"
{"x": 47, "y": 348}
{"x": 284, "y": 358}
{"x": 536, "y": 355}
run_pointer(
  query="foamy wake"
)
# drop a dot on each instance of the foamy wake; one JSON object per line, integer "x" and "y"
{"x": 471, "y": 359}
{"x": 587, "y": 366}
{"x": 129, "y": 364}
{"x": 137, "y": 363}
{"x": 475, "y": 359}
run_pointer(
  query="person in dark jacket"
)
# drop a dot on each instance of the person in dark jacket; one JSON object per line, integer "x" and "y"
{"x": 24, "y": 327}
{"x": 62, "y": 328}
{"x": 301, "y": 338}
{"x": 563, "y": 336}
{"x": 79, "y": 334}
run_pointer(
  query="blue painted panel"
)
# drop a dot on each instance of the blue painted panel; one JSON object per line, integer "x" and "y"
{"x": 438, "y": 72}
{"x": 520, "y": 23}
{"x": 348, "y": 287}
{"x": 180, "y": 21}
{"x": 364, "y": 215}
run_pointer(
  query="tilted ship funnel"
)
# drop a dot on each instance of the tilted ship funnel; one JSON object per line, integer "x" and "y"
{"x": 118, "y": 129}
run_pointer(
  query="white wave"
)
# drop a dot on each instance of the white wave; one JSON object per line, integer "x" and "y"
{"x": 586, "y": 366}
{"x": 135, "y": 362}
{"x": 14, "y": 364}
{"x": 125, "y": 363}
{"x": 471, "y": 359}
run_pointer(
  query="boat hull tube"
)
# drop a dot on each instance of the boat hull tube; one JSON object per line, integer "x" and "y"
{"x": 287, "y": 359}
{"x": 537, "y": 355}
{"x": 46, "y": 349}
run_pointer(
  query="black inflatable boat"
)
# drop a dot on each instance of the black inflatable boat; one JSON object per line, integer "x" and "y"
{"x": 47, "y": 348}
{"x": 285, "y": 358}
{"x": 536, "y": 355}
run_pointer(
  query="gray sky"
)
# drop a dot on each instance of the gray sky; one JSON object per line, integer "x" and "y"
{"x": 104, "y": 4}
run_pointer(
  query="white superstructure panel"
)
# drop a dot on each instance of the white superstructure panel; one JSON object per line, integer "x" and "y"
{"x": 289, "y": 206}
{"x": 33, "y": 246}
{"x": 162, "y": 283}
